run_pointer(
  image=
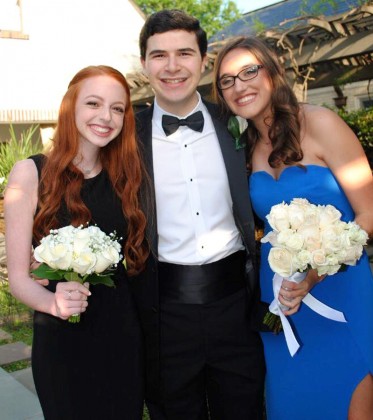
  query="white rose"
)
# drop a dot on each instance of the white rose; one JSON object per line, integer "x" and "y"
{"x": 333, "y": 239}
{"x": 311, "y": 215}
{"x": 301, "y": 202}
{"x": 57, "y": 256}
{"x": 350, "y": 255}
{"x": 96, "y": 232}
{"x": 311, "y": 237}
{"x": 290, "y": 239}
{"x": 303, "y": 259}
{"x": 278, "y": 217}
{"x": 81, "y": 240}
{"x": 67, "y": 232}
{"x": 271, "y": 237}
{"x": 323, "y": 263}
{"x": 83, "y": 262}
{"x": 105, "y": 259}
{"x": 42, "y": 253}
{"x": 328, "y": 269}
{"x": 356, "y": 234}
{"x": 318, "y": 258}
{"x": 328, "y": 215}
{"x": 281, "y": 261}
{"x": 62, "y": 256}
{"x": 297, "y": 210}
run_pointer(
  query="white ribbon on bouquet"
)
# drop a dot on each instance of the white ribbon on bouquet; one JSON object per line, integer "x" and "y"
{"x": 276, "y": 308}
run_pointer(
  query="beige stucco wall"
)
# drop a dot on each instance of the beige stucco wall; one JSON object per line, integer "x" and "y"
{"x": 355, "y": 93}
{"x": 64, "y": 36}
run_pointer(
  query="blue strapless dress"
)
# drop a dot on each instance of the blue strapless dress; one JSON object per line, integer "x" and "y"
{"x": 318, "y": 382}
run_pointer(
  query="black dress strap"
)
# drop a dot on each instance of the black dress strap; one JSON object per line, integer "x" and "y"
{"x": 39, "y": 161}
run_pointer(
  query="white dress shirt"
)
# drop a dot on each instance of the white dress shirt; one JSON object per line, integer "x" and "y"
{"x": 194, "y": 205}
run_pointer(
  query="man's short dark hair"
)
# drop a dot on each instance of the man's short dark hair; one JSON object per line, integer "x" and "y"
{"x": 169, "y": 20}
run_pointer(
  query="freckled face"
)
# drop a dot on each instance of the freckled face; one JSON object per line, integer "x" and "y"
{"x": 99, "y": 110}
{"x": 250, "y": 99}
{"x": 174, "y": 65}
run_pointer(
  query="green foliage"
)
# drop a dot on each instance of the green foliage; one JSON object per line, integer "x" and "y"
{"x": 258, "y": 25}
{"x": 321, "y": 6}
{"x": 43, "y": 271}
{"x": 213, "y": 15}
{"x": 13, "y": 150}
{"x": 12, "y": 312}
{"x": 146, "y": 414}
{"x": 361, "y": 123}
{"x": 13, "y": 367}
{"x": 318, "y": 8}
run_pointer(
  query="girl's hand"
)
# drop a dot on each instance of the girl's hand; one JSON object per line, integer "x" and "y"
{"x": 291, "y": 293}
{"x": 70, "y": 298}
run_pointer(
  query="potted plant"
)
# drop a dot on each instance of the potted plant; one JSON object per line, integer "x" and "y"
{"x": 15, "y": 149}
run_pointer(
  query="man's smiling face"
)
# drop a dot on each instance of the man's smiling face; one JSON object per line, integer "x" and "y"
{"x": 174, "y": 65}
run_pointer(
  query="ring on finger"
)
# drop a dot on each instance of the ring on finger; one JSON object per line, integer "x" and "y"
{"x": 68, "y": 294}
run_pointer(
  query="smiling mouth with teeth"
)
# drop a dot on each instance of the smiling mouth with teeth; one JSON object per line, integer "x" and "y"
{"x": 100, "y": 129}
{"x": 173, "y": 81}
{"x": 246, "y": 99}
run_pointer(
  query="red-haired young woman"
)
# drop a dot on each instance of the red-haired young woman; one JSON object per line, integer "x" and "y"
{"x": 92, "y": 174}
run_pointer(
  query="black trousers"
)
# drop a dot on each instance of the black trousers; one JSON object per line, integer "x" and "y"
{"x": 212, "y": 364}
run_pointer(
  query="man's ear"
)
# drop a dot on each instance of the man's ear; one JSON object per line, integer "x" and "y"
{"x": 204, "y": 63}
{"x": 142, "y": 61}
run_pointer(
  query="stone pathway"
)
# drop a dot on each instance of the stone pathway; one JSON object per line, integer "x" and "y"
{"x": 18, "y": 399}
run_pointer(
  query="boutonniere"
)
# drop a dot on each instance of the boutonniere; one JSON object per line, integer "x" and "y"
{"x": 236, "y": 126}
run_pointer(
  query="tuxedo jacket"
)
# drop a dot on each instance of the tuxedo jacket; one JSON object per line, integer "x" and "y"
{"x": 145, "y": 286}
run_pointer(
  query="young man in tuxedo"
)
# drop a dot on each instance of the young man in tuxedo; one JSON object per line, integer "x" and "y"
{"x": 196, "y": 298}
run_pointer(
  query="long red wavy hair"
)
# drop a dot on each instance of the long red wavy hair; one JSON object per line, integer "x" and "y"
{"x": 62, "y": 181}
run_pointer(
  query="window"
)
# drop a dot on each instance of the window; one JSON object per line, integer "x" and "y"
{"x": 366, "y": 103}
{"x": 11, "y": 23}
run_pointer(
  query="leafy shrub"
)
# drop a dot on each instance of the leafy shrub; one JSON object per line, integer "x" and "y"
{"x": 13, "y": 150}
{"x": 361, "y": 123}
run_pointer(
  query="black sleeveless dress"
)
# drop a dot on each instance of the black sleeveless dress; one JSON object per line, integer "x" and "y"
{"x": 92, "y": 370}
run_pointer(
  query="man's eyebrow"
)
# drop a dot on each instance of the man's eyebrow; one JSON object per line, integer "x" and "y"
{"x": 159, "y": 51}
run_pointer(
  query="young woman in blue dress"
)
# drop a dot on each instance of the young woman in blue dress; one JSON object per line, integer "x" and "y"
{"x": 299, "y": 150}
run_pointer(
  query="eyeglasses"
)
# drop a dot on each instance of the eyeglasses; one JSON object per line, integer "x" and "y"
{"x": 247, "y": 73}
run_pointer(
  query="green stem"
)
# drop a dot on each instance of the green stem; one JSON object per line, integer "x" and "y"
{"x": 74, "y": 319}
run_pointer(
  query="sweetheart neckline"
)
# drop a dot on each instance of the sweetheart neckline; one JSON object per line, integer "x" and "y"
{"x": 285, "y": 169}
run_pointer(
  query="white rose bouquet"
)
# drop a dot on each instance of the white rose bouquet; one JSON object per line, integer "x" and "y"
{"x": 78, "y": 254}
{"x": 306, "y": 236}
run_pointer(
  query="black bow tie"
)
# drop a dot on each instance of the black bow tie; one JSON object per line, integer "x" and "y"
{"x": 170, "y": 124}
